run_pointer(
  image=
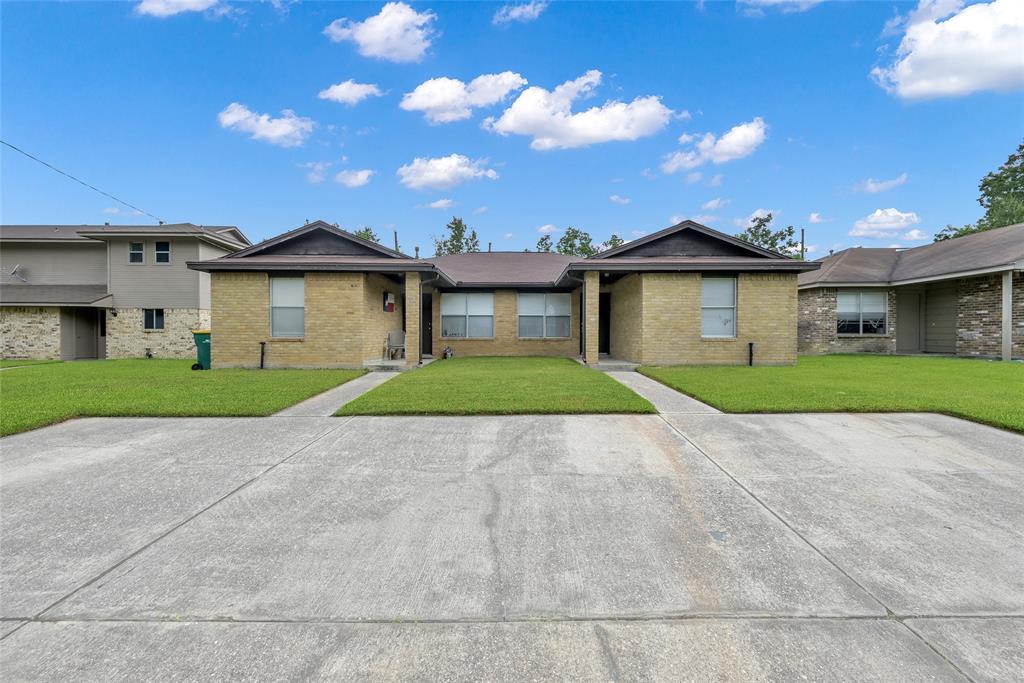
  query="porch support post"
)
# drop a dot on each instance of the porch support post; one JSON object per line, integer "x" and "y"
{"x": 591, "y": 315}
{"x": 412, "y": 318}
{"x": 1008, "y": 315}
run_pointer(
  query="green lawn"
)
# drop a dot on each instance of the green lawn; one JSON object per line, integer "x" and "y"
{"x": 32, "y": 397}
{"x": 18, "y": 362}
{"x": 983, "y": 391}
{"x": 499, "y": 386}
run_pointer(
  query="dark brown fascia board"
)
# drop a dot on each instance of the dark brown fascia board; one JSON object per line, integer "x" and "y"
{"x": 788, "y": 265}
{"x": 317, "y": 225}
{"x": 228, "y": 264}
{"x": 687, "y": 225}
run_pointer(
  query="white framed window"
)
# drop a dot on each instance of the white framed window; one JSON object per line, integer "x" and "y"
{"x": 718, "y": 307}
{"x": 153, "y": 318}
{"x": 162, "y": 252}
{"x": 467, "y": 316}
{"x": 545, "y": 315}
{"x": 861, "y": 312}
{"x": 287, "y": 306}
{"x": 136, "y": 252}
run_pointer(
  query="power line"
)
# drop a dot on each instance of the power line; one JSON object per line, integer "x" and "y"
{"x": 82, "y": 182}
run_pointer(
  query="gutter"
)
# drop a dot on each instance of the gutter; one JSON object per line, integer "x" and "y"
{"x": 1009, "y": 267}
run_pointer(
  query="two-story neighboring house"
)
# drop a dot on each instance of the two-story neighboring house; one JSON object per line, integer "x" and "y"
{"x": 106, "y": 291}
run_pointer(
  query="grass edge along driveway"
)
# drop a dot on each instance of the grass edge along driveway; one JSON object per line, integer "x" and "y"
{"x": 44, "y": 394}
{"x": 486, "y": 385}
{"x": 989, "y": 392}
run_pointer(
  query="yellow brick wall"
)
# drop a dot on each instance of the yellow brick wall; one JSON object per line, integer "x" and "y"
{"x": 626, "y": 341}
{"x": 766, "y": 314}
{"x": 412, "y": 317}
{"x": 337, "y": 318}
{"x": 592, "y": 288}
{"x": 378, "y": 322}
{"x": 506, "y": 340}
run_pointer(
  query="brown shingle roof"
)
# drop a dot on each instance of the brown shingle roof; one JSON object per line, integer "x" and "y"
{"x": 77, "y": 233}
{"x": 51, "y": 294}
{"x": 503, "y": 268}
{"x": 980, "y": 251}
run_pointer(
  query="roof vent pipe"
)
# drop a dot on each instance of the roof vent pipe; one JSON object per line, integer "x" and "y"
{"x": 488, "y": 247}
{"x": 396, "y": 241}
{"x": 417, "y": 252}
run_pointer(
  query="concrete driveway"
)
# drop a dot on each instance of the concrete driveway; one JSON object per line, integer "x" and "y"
{"x": 679, "y": 546}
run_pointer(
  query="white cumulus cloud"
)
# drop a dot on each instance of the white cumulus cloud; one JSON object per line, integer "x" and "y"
{"x": 884, "y": 224}
{"x": 873, "y": 186}
{"x": 749, "y": 220}
{"x": 354, "y": 178}
{"x": 915, "y": 235}
{"x": 757, "y": 7}
{"x": 443, "y": 172}
{"x": 523, "y": 12}
{"x": 547, "y": 229}
{"x": 398, "y": 33}
{"x": 316, "y": 171}
{"x": 738, "y": 142}
{"x": 508, "y": 235}
{"x": 289, "y": 130}
{"x": 949, "y": 50}
{"x": 816, "y": 217}
{"x": 693, "y": 177}
{"x": 714, "y": 204}
{"x": 705, "y": 219}
{"x": 443, "y": 100}
{"x": 349, "y": 92}
{"x": 547, "y": 116}
{"x": 620, "y": 200}
{"x": 168, "y": 8}
{"x": 441, "y": 204}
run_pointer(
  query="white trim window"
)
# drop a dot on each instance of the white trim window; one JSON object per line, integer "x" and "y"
{"x": 861, "y": 312}
{"x": 718, "y": 307}
{"x": 152, "y": 319}
{"x": 467, "y": 316}
{"x": 136, "y": 253}
{"x": 162, "y": 253}
{"x": 287, "y": 306}
{"x": 545, "y": 315}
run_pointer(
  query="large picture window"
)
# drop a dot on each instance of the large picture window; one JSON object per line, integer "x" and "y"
{"x": 544, "y": 315}
{"x": 287, "y": 306}
{"x": 860, "y": 312}
{"x": 718, "y": 307}
{"x": 467, "y": 315}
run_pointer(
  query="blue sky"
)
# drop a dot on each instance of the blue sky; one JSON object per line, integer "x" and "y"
{"x": 859, "y": 113}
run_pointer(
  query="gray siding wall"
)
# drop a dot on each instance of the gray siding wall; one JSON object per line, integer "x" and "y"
{"x": 207, "y": 252}
{"x": 55, "y": 264}
{"x": 152, "y": 285}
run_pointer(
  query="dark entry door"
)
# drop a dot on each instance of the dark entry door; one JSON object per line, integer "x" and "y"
{"x": 940, "y": 319}
{"x": 604, "y": 327}
{"x": 427, "y": 325}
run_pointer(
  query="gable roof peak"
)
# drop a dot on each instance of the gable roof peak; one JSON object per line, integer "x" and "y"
{"x": 324, "y": 226}
{"x": 688, "y": 224}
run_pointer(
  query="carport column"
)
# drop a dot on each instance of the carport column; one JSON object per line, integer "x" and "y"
{"x": 1008, "y": 315}
{"x": 591, "y": 315}
{"x": 412, "y": 318}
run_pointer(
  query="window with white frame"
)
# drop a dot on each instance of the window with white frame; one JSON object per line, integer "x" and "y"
{"x": 287, "y": 306}
{"x": 162, "y": 252}
{"x": 860, "y": 312}
{"x": 718, "y": 306}
{"x": 153, "y": 318}
{"x": 136, "y": 252}
{"x": 544, "y": 315}
{"x": 467, "y": 315}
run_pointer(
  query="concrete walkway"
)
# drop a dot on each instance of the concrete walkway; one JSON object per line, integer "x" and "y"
{"x": 665, "y": 400}
{"x": 327, "y": 403}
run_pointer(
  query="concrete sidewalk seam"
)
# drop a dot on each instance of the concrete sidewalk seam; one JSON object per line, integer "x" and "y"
{"x": 38, "y": 616}
{"x": 936, "y": 650}
{"x": 779, "y": 517}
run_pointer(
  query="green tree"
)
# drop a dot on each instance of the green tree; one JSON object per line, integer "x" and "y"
{"x": 544, "y": 244}
{"x": 575, "y": 242}
{"x": 367, "y": 233}
{"x": 1002, "y": 197}
{"x": 761, "y": 234}
{"x": 613, "y": 241}
{"x": 461, "y": 239}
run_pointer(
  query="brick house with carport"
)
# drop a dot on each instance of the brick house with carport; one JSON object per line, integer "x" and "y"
{"x": 962, "y": 297}
{"x": 318, "y": 296}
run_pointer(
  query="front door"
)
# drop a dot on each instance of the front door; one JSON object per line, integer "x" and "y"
{"x": 86, "y": 333}
{"x": 908, "y": 321}
{"x": 427, "y": 325}
{"x": 940, "y": 319}
{"x": 604, "y": 323}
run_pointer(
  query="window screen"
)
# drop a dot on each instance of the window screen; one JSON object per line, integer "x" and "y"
{"x": 545, "y": 315}
{"x": 467, "y": 315}
{"x": 136, "y": 252}
{"x": 860, "y": 312}
{"x": 162, "y": 252}
{"x": 718, "y": 307}
{"x": 287, "y": 306}
{"x": 153, "y": 318}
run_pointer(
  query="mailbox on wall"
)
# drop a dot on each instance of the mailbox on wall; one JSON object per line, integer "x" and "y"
{"x": 389, "y": 302}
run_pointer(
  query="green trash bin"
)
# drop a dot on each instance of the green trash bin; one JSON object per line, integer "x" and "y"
{"x": 202, "y": 338}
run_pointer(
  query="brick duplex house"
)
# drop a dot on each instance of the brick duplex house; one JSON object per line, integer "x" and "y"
{"x": 318, "y": 296}
{"x": 963, "y": 296}
{"x": 106, "y": 291}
